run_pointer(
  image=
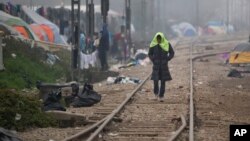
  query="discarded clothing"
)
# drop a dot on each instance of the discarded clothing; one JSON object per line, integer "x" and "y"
{"x": 51, "y": 59}
{"x": 141, "y": 56}
{"x": 88, "y": 59}
{"x": 234, "y": 73}
{"x": 6, "y": 135}
{"x": 129, "y": 65}
{"x": 86, "y": 98}
{"x": 52, "y": 102}
{"x": 123, "y": 80}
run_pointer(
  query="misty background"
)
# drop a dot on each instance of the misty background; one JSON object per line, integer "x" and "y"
{"x": 150, "y": 16}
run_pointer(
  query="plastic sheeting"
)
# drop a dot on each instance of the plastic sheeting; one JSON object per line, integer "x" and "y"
{"x": 38, "y": 30}
{"x": 240, "y": 54}
{"x": 86, "y": 98}
{"x": 22, "y": 31}
{"x": 52, "y": 102}
{"x": 15, "y": 21}
{"x": 58, "y": 39}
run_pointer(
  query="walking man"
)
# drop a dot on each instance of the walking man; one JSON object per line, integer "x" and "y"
{"x": 160, "y": 53}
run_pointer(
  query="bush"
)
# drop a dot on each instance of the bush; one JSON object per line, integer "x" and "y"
{"x": 13, "y": 104}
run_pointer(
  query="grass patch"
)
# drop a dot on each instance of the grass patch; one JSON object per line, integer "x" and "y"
{"x": 29, "y": 66}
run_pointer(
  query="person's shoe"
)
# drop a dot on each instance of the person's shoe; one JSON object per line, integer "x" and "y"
{"x": 161, "y": 99}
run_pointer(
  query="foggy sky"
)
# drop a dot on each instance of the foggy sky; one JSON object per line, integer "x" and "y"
{"x": 148, "y": 13}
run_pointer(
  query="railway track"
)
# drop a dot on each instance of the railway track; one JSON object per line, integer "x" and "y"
{"x": 159, "y": 123}
{"x": 129, "y": 113}
{"x": 139, "y": 121}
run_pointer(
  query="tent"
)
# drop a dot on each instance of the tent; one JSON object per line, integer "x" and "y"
{"x": 8, "y": 30}
{"x": 18, "y": 24}
{"x": 49, "y": 32}
{"x": 215, "y": 27}
{"x": 187, "y": 29}
{"x": 184, "y": 29}
{"x": 36, "y": 18}
{"x": 38, "y": 30}
{"x": 240, "y": 54}
{"x": 22, "y": 31}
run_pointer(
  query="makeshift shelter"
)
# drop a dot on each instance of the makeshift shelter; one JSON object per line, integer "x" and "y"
{"x": 18, "y": 24}
{"x": 22, "y": 31}
{"x": 39, "y": 31}
{"x": 184, "y": 29}
{"x": 215, "y": 27}
{"x": 187, "y": 29}
{"x": 37, "y": 19}
{"x": 240, "y": 54}
{"x": 8, "y": 30}
{"x": 49, "y": 32}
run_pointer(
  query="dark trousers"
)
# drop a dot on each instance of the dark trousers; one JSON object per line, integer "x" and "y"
{"x": 156, "y": 88}
{"x": 103, "y": 59}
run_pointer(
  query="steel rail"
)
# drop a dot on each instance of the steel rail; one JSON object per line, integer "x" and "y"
{"x": 86, "y": 131}
{"x": 191, "y": 101}
{"x": 117, "y": 110}
{"x": 179, "y": 131}
{"x": 102, "y": 123}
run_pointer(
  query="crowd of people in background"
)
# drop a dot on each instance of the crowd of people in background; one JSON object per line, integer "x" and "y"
{"x": 104, "y": 43}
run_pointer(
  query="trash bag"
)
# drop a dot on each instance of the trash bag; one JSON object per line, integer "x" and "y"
{"x": 125, "y": 80}
{"x": 86, "y": 98}
{"x": 52, "y": 102}
{"x": 141, "y": 56}
{"x": 234, "y": 73}
{"x": 6, "y": 135}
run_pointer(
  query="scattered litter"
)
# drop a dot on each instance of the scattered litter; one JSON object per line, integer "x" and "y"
{"x": 141, "y": 54}
{"x": 18, "y": 116}
{"x": 86, "y": 98}
{"x": 240, "y": 86}
{"x": 209, "y": 48}
{"x": 99, "y": 84}
{"x": 144, "y": 62}
{"x": 129, "y": 65}
{"x": 200, "y": 83}
{"x": 180, "y": 87}
{"x": 113, "y": 134}
{"x": 122, "y": 80}
{"x": 13, "y": 55}
{"x": 145, "y": 90}
{"x": 6, "y": 135}
{"x": 52, "y": 101}
{"x": 234, "y": 73}
{"x": 99, "y": 135}
{"x": 51, "y": 58}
